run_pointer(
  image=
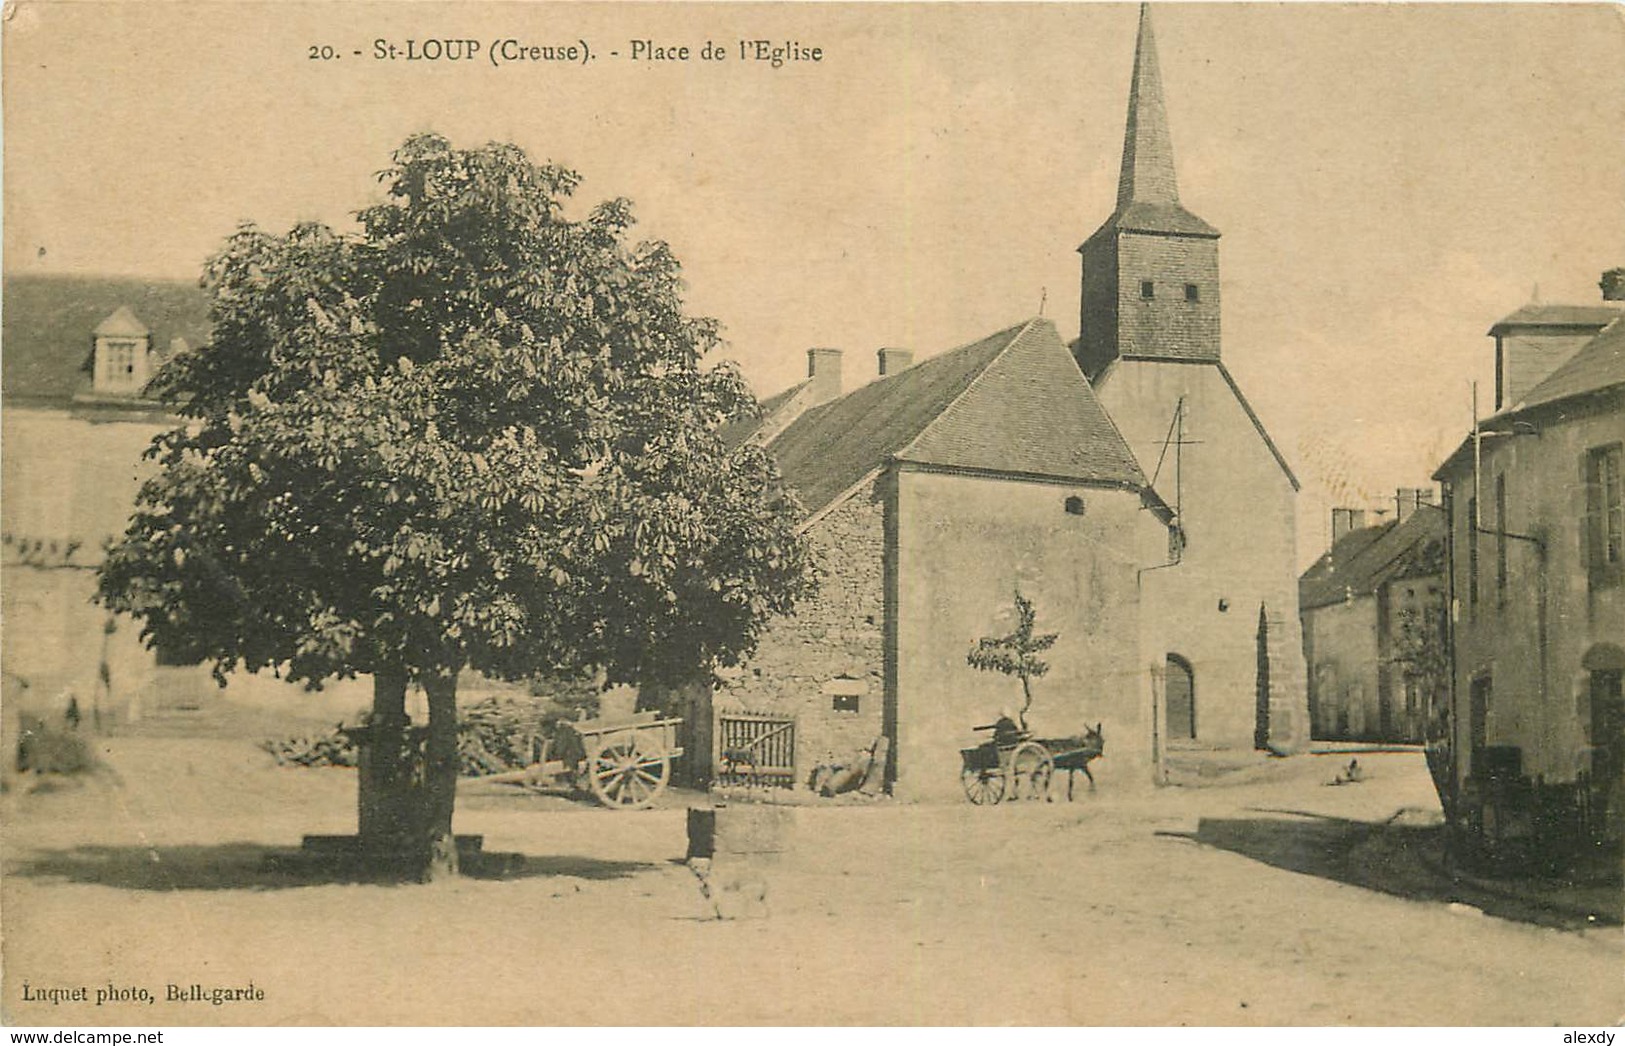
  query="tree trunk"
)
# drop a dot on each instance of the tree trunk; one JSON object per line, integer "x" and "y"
{"x": 386, "y": 789}
{"x": 438, "y": 845}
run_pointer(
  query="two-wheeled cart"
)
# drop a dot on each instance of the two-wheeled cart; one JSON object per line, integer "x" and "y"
{"x": 625, "y": 762}
{"x": 1016, "y": 765}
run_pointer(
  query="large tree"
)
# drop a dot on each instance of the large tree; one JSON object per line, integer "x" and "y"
{"x": 476, "y": 434}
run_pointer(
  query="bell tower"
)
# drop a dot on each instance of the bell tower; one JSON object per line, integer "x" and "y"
{"x": 1151, "y": 272}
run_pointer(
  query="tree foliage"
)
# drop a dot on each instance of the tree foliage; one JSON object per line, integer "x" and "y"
{"x": 1016, "y": 654}
{"x": 476, "y": 433}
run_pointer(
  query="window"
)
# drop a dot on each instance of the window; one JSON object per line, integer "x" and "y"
{"x": 1478, "y": 716}
{"x": 845, "y": 702}
{"x": 1193, "y": 292}
{"x": 1472, "y": 551}
{"x": 123, "y": 358}
{"x": 1074, "y": 506}
{"x": 1148, "y": 290}
{"x": 118, "y": 362}
{"x": 1501, "y": 527}
{"x": 1605, "y": 515}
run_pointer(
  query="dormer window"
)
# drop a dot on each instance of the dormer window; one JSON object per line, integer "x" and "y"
{"x": 123, "y": 353}
{"x": 1193, "y": 292}
{"x": 1148, "y": 290}
{"x": 120, "y": 361}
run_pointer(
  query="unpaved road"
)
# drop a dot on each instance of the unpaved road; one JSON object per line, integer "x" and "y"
{"x": 1280, "y": 901}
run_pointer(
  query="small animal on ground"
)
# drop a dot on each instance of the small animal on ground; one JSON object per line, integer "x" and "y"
{"x": 1351, "y": 774}
{"x": 731, "y": 894}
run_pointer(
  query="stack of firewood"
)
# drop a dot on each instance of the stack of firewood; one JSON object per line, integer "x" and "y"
{"x": 493, "y": 735}
{"x": 332, "y": 748}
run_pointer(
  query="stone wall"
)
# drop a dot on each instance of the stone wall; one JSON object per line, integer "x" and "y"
{"x": 833, "y": 642}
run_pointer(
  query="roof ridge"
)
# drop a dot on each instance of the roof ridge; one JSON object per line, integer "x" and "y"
{"x": 969, "y": 385}
{"x": 1145, "y": 478}
{"x": 1258, "y": 423}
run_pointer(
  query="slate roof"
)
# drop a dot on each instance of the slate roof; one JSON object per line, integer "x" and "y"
{"x": 1599, "y": 364}
{"x": 734, "y": 433}
{"x": 1599, "y": 367}
{"x": 47, "y": 326}
{"x": 1147, "y": 185}
{"x": 1367, "y": 558}
{"x": 1156, "y": 218}
{"x": 122, "y": 324}
{"x": 1014, "y": 403}
{"x": 1539, "y": 315}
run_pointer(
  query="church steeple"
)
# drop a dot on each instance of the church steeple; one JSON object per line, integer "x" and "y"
{"x": 1148, "y": 151}
{"x": 1151, "y": 272}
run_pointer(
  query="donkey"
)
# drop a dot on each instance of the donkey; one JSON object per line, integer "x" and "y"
{"x": 1075, "y": 753}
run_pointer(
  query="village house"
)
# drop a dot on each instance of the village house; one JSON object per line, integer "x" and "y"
{"x": 1536, "y": 506}
{"x": 933, "y": 495}
{"x": 1373, "y": 624}
{"x": 78, "y": 353}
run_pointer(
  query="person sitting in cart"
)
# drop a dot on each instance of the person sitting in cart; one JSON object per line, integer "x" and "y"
{"x": 1006, "y": 731}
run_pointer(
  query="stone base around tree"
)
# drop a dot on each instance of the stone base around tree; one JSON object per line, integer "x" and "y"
{"x": 345, "y": 856}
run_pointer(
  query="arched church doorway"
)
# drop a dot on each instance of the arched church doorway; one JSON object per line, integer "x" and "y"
{"x": 1181, "y": 690}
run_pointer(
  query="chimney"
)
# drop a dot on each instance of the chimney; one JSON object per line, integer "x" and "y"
{"x": 894, "y": 360}
{"x": 824, "y": 371}
{"x": 1346, "y": 521}
{"x": 1613, "y": 285}
{"x": 1412, "y": 498}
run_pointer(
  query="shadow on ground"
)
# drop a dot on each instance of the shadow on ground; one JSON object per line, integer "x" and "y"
{"x": 1403, "y": 860}
{"x": 248, "y": 866}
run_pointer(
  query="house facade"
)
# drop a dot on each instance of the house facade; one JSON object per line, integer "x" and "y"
{"x": 78, "y": 353}
{"x": 1149, "y": 344}
{"x": 1537, "y": 585}
{"x": 1373, "y": 625}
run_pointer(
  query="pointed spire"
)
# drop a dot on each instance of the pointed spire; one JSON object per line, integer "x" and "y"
{"x": 1148, "y": 152}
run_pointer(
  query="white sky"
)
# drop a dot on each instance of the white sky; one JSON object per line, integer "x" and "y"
{"x": 1390, "y": 180}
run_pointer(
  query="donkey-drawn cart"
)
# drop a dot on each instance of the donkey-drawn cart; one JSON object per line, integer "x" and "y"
{"x": 626, "y": 762}
{"x": 1015, "y": 765}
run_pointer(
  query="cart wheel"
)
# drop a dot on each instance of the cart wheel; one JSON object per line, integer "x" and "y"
{"x": 1031, "y": 768}
{"x": 983, "y": 787}
{"x": 625, "y": 778}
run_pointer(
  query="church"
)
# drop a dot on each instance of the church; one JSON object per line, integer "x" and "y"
{"x": 1149, "y": 344}
{"x": 1122, "y": 483}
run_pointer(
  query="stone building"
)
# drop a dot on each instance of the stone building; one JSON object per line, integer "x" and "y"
{"x": 1536, "y": 507}
{"x": 934, "y": 494}
{"x": 1372, "y": 610}
{"x": 1129, "y": 491}
{"x": 1149, "y": 344}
